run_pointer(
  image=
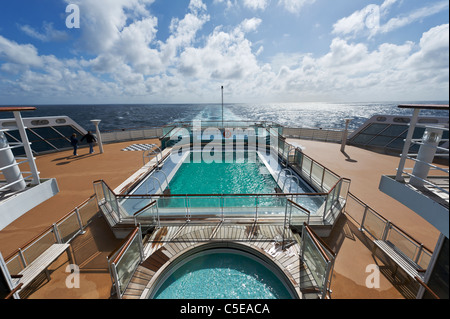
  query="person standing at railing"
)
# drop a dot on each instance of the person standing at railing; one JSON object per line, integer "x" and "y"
{"x": 74, "y": 143}
{"x": 90, "y": 139}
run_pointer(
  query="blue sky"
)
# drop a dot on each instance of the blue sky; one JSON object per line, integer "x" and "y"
{"x": 182, "y": 51}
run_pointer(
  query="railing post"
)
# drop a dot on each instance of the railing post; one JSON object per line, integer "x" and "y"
{"x": 77, "y": 213}
{"x": 416, "y": 260}
{"x": 256, "y": 210}
{"x": 406, "y": 146}
{"x": 186, "y": 203}
{"x": 56, "y": 232}
{"x": 284, "y": 224}
{"x": 364, "y": 218}
{"x": 116, "y": 280}
{"x": 386, "y": 230}
{"x": 141, "y": 246}
{"x": 119, "y": 215}
{"x": 222, "y": 204}
{"x": 325, "y": 281}
{"x": 323, "y": 177}
{"x": 157, "y": 215}
{"x": 22, "y": 258}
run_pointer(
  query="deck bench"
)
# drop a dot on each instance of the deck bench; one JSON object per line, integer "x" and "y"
{"x": 409, "y": 267}
{"x": 40, "y": 264}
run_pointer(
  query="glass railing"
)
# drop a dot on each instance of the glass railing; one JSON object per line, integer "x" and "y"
{"x": 63, "y": 231}
{"x": 124, "y": 261}
{"x": 274, "y": 208}
{"x": 380, "y": 228}
{"x": 319, "y": 261}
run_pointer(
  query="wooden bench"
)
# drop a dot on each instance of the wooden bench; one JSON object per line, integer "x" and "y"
{"x": 40, "y": 264}
{"x": 410, "y": 267}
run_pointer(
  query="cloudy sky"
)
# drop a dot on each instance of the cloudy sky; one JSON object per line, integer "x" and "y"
{"x": 182, "y": 51}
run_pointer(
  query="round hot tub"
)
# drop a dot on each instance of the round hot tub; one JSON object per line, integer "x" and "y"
{"x": 222, "y": 273}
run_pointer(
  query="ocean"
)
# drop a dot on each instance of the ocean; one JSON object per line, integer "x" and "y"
{"x": 306, "y": 115}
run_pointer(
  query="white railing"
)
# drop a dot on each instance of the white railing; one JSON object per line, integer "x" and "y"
{"x": 441, "y": 172}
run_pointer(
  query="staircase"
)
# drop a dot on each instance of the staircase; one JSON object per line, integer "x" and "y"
{"x": 138, "y": 283}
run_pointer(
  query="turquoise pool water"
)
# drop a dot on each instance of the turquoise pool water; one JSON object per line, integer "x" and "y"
{"x": 222, "y": 275}
{"x": 242, "y": 175}
{"x": 245, "y": 177}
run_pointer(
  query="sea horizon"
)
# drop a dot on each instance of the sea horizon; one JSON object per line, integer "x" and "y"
{"x": 291, "y": 114}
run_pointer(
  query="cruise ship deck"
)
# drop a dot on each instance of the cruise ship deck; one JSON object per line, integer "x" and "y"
{"x": 353, "y": 247}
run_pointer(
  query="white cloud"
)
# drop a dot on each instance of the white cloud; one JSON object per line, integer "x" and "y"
{"x": 434, "y": 50}
{"x": 224, "y": 56}
{"x": 102, "y": 23}
{"x": 367, "y": 21}
{"x": 359, "y": 21}
{"x": 184, "y": 31}
{"x": 187, "y": 66}
{"x": 256, "y": 4}
{"x": 48, "y": 34}
{"x": 249, "y": 25}
{"x": 295, "y": 6}
{"x": 22, "y": 54}
{"x": 414, "y": 16}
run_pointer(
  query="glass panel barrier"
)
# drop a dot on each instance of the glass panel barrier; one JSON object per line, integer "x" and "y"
{"x": 69, "y": 227}
{"x": 424, "y": 259}
{"x": 298, "y": 215}
{"x": 355, "y": 209}
{"x": 329, "y": 180}
{"x": 208, "y": 206}
{"x": 271, "y": 207}
{"x": 317, "y": 172}
{"x": 14, "y": 265}
{"x": 98, "y": 189}
{"x": 298, "y": 158}
{"x": 128, "y": 263}
{"x": 313, "y": 203}
{"x": 39, "y": 246}
{"x": 314, "y": 260}
{"x": 239, "y": 206}
{"x": 88, "y": 210}
{"x": 406, "y": 246}
{"x": 374, "y": 224}
{"x": 306, "y": 167}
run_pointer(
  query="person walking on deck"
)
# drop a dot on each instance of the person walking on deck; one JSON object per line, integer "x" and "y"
{"x": 90, "y": 139}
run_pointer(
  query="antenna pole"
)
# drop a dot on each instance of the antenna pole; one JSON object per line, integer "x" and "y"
{"x": 222, "y": 106}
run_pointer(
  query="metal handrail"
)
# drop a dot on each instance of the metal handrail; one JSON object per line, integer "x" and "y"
{"x": 118, "y": 253}
{"x": 367, "y": 208}
{"x": 427, "y": 182}
{"x": 320, "y": 243}
{"x": 292, "y": 178}
{"x": 428, "y": 289}
{"x": 35, "y": 239}
{"x": 286, "y": 170}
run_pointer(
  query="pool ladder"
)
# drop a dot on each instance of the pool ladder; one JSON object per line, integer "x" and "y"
{"x": 291, "y": 176}
{"x": 153, "y": 151}
{"x": 159, "y": 182}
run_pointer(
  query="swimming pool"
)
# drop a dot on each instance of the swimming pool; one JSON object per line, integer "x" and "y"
{"x": 223, "y": 274}
{"x": 242, "y": 174}
{"x": 221, "y": 178}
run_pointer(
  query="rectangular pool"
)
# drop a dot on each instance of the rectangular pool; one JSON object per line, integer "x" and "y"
{"x": 235, "y": 176}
